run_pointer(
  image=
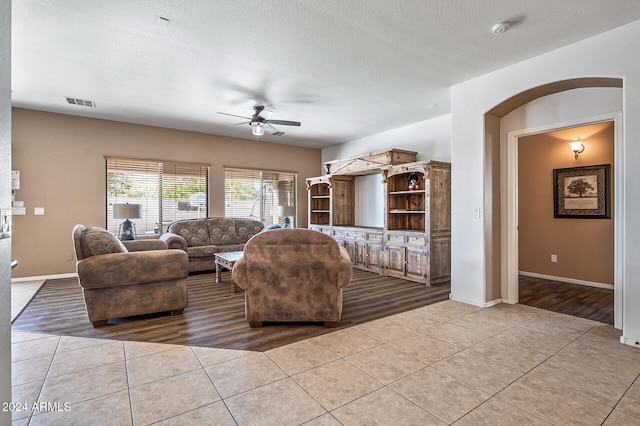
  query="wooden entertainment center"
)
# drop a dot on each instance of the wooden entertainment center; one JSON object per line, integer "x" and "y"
{"x": 415, "y": 241}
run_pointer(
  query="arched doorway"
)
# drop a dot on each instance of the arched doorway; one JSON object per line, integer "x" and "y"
{"x": 501, "y": 179}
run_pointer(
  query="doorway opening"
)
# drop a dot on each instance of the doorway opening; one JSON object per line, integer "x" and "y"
{"x": 565, "y": 225}
{"x": 567, "y": 264}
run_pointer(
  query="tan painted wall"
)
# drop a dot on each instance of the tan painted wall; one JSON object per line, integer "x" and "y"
{"x": 584, "y": 246}
{"x": 61, "y": 164}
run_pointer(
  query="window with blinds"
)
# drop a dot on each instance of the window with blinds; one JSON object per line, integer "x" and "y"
{"x": 258, "y": 194}
{"x": 165, "y": 190}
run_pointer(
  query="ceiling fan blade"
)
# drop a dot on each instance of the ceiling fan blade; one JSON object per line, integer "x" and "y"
{"x": 283, "y": 122}
{"x": 244, "y": 122}
{"x": 233, "y": 115}
{"x": 270, "y": 128}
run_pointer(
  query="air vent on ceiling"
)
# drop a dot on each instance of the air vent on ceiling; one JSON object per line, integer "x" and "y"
{"x": 81, "y": 102}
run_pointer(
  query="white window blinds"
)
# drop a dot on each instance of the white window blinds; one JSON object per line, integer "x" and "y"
{"x": 258, "y": 194}
{"x": 166, "y": 191}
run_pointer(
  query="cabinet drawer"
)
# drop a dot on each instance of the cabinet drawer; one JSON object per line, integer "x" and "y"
{"x": 374, "y": 237}
{"x": 355, "y": 235}
{"x": 340, "y": 233}
{"x": 395, "y": 238}
{"x": 416, "y": 240}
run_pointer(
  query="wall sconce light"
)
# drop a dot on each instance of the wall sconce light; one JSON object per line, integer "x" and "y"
{"x": 577, "y": 147}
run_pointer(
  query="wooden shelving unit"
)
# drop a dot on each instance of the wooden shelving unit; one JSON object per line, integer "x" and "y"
{"x": 331, "y": 200}
{"x": 415, "y": 242}
{"x": 418, "y": 225}
{"x": 319, "y": 203}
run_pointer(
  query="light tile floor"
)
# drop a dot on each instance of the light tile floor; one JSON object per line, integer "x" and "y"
{"x": 21, "y": 294}
{"x": 442, "y": 364}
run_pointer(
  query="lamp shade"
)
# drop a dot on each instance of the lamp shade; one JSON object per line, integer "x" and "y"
{"x": 285, "y": 211}
{"x": 127, "y": 211}
{"x": 576, "y": 146}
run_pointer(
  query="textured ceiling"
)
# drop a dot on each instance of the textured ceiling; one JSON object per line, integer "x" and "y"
{"x": 345, "y": 69}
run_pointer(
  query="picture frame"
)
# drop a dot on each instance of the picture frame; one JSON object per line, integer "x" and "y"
{"x": 582, "y": 192}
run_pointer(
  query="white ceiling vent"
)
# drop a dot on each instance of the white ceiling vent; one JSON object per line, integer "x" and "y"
{"x": 81, "y": 102}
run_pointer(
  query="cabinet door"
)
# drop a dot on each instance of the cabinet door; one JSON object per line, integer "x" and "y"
{"x": 373, "y": 259}
{"x": 416, "y": 263}
{"x": 352, "y": 250}
{"x": 395, "y": 259}
{"x": 440, "y": 261}
{"x": 360, "y": 254}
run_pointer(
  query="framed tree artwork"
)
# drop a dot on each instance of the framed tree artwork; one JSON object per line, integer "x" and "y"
{"x": 582, "y": 192}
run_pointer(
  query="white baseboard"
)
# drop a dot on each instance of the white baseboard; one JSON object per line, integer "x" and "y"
{"x": 631, "y": 342}
{"x": 44, "y": 277}
{"x": 468, "y": 302}
{"x": 566, "y": 280}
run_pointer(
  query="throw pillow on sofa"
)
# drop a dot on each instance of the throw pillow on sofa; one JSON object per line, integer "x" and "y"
{"x": 99, "y": 241}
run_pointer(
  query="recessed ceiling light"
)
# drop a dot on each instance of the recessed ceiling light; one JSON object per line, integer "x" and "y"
{"x": 500, "y": 28}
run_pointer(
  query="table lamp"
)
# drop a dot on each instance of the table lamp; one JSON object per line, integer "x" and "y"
{"x": 285, "y": 212}
{"x": 127, "y": 211}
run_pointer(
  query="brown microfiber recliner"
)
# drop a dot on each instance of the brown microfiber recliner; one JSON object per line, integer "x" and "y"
{"x": 293, "y": 275}
{"x": 119, "y": 282}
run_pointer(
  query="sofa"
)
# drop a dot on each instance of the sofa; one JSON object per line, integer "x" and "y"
{"x": 292, "y": 275}
{"x": 202, "y": 238}
{"x": 120, "y": 282}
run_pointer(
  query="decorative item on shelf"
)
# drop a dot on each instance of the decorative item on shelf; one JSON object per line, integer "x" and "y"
{"x": 577, "y": 147}
{"x": 413, "y": 181}
{"x": 127, "y": 211}
{"x": 286, "y": 212}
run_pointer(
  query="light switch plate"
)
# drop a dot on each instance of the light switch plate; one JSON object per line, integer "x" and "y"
{"x": 38, "y": 211}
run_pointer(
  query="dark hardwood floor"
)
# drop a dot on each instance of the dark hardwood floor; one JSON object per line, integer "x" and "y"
{"x": 215, "y": 315}
{"x": 573, "y": 299}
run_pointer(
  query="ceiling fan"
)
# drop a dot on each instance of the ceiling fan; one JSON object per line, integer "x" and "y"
{"x": 259, "y": 123}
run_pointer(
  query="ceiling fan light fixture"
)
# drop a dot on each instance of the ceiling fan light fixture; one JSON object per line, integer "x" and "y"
{"x": 257, "y": 129}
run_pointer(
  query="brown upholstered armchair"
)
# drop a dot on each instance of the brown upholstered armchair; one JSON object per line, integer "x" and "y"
{"x": 119, "y": 282}
{"x": 293, "y": 275}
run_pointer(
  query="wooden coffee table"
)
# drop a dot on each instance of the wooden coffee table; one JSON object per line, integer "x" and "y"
{"x": 226, "y": 260}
